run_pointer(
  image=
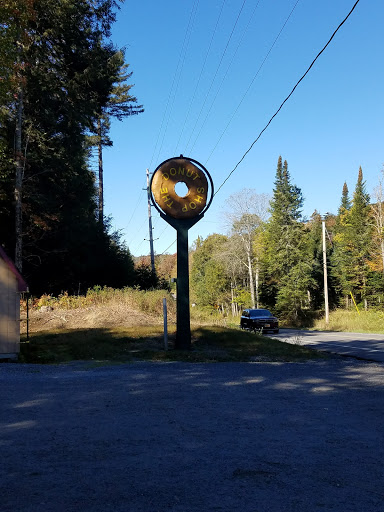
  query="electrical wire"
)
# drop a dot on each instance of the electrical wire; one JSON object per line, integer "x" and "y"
{"x": 168, "y": 247}
{"x": 177, "y": 75}
{"x": 214, "y": 77}
{"x": 252, "y": 81}
{"x": 287, "y": 98}
{"x": 224, "y": 77}
{"x": 199, "y": 79}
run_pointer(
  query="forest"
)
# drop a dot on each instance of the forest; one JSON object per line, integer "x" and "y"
{"x": 62, "y": 81}
{"x": 62, "y": 84}
{"x": 272, "y": 257}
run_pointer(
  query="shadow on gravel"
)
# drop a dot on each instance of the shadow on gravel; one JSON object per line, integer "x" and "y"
{"x": 146, "y": 437}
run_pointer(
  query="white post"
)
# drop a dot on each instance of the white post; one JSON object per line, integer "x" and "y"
{"x": 165, "y": 324}
{"x": 325, "y": 277}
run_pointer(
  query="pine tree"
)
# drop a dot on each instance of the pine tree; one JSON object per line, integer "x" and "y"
{"x": 352, "y": 241}
{"x": 288, "y": 260}
{"x": 345, "y": 201}
{"x": 284, "y": 229}
{"x": 66, "y": 74}
{"x": 120, "y": 104}
{"x": 360, "y": 238}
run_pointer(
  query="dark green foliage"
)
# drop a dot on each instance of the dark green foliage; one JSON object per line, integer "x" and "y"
{"x": 146, "y": 279}
{"x": 209, "y": 281}
{"x": 353, "y": 243}
{"x": 288, "y": 251}
{"x": 68, "y": 72}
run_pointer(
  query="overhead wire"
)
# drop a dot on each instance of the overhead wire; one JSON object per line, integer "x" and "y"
{"x": 287, "y": 98}
{"x": 175, "y": 80}
{"x": 214, "y": 77}
{"x": 186, "y": 117}
{"x": 169, "y": 246}
{"x": 225, "y": 75}
{"x": 252, "y": 81}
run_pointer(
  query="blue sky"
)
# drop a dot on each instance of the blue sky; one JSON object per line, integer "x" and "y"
{"x": 210, "y": 84}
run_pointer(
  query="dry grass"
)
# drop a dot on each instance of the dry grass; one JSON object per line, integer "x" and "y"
{"x": 122, "y": 345}
{"x": 352, "y": 321}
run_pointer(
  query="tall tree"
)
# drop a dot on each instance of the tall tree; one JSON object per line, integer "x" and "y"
{"x": 120, "y": 104}
{"x": 67, "y": 73}
{"x": 287, "y": 263}
{"x": 209, "y": 282}
{"x": 377, "y": 211}
{"x": 352, "y": 243}
{"x": 360, "y": 238}
{"x": 247, "y": 210}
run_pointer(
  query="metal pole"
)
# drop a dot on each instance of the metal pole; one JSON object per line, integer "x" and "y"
{"x": 325, "y": 276}
{"x": 150, "y": 225}
{"x": 183, "y": 332}
{"x": 165, "y": 324}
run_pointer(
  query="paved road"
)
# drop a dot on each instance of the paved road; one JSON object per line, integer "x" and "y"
{"x": 365, "y": 346}
{"x": 179, "y": 437}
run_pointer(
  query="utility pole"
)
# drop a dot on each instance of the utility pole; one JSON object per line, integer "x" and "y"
{"x": 325, "y": 276}
{"x": 150, "y": 225}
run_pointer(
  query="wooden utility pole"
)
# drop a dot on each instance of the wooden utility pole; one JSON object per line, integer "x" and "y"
{"x": 150, "y": 226}
{"x": 325, "y": 276}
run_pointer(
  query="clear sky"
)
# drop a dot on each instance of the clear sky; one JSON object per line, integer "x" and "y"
{"x": 211, "y": 73}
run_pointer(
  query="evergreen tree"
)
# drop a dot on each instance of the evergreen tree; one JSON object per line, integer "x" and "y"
{"x": 360, "y": 239}
{"x": 352, "y": 240}
{"x": 67, "y": 73}
{"x": 284, "y": 229}
{"x": 345, "y": 201}
{"x": 287, "y": 262}
{"x": 120, "y": 104}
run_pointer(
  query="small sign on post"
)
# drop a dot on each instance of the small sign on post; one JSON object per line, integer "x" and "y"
{"x": 182, "y": 213}
{"x": 165, "y": 324}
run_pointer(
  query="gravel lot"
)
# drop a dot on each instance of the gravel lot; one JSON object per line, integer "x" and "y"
{"x": 156, "y": 437}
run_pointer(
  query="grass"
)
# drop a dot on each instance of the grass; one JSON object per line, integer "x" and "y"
{"x": 209, "y": 344}
{"x": 353, "y": 321}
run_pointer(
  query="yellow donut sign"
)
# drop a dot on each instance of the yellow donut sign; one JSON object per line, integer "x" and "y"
{"x": 166, "y": 177}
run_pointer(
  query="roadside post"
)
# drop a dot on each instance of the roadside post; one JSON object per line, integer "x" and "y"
{"x": 182, "y": 213}
{"x": 165, "y": 316}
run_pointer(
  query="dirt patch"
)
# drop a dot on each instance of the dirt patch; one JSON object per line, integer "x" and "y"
{"x": 110, "y": 316}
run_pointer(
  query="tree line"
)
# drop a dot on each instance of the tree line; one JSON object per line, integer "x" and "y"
{"x": 273, "y": 258}
{"x": 62, "y": 81}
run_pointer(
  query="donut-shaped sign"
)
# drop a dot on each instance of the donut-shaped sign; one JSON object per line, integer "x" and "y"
{"x": 164, "y": 180}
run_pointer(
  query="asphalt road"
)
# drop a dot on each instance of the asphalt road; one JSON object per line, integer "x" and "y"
{"x": 179, "y": 437}
{"x": 365, "y": 346}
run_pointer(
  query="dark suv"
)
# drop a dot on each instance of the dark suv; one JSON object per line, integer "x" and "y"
{"x": 259, "y": 319}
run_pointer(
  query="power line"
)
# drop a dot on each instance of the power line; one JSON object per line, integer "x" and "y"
{"x": 177, "y": 75}
{"x": 287, "y": 98}
{"x": 168, "y": 247}
{"x": 201, "y": 73}
{"x": 224, "y": 77}
{"x": 252, "y": 81}
{"x": 214, "y": 78}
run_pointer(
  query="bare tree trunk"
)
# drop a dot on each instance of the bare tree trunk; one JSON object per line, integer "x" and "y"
{"x": 382, "y": 253}
{"x": 101, "y": 186}
{"x": 232, "y": 300}
{"x": 251, "y": 281}
{"x": 257, "y": 275}
{"x": 19, "y": 185}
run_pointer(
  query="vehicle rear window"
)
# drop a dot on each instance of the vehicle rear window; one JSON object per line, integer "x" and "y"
{"x": 260, "y": 312}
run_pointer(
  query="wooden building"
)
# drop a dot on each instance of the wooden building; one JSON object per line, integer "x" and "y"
{"x": 11, "y": 285}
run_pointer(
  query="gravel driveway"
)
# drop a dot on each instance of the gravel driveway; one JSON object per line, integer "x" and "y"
{"x": 224, "y": 437}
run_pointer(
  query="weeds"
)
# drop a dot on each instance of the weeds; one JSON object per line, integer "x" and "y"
{"x": 352, "y": 321}
{"x": 209, "y": 344}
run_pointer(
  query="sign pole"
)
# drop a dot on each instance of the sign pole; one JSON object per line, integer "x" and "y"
{"x": 181, "y": 213}
{"x": 183, "y": 316}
